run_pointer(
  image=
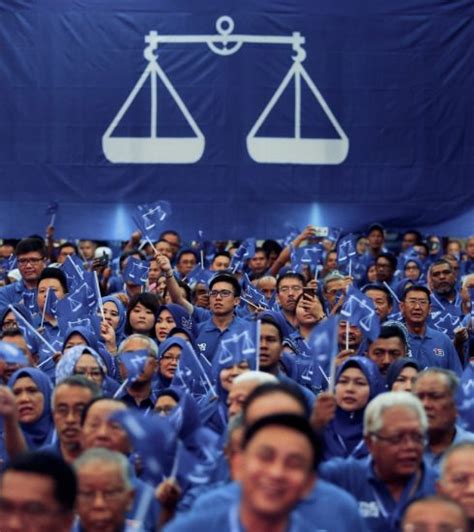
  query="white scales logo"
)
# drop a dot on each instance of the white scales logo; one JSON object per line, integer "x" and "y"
{"x": 262, "y": 149}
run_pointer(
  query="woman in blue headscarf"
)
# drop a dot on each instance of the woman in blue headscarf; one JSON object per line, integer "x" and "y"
{"x": 169, "y": 354}
{"x": 339, "y": 416}
{"x": 32, "y": 390}
{"x": 171, "y": 316}
{"x": 401, "y": 374}
{"x": 113, "y": 325}
{"x": 83, "y": 360}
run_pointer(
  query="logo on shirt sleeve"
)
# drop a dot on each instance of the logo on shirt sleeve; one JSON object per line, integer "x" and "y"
{"x": 202, "y": 347}
{"x": 438, "y": 351}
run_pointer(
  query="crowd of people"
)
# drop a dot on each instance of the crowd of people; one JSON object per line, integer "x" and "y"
{"x": 324, "y": 382}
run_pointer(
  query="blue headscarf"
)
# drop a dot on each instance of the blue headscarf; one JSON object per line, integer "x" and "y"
{"x": 88, "y": 335}
{"x": 41, "y": 431}
{"x": 396, "y": 368}
{"x": 343, "y": 436}
{"x": 119, "y": 331}
{"x": 67, "y": 363}
{"x": 162, "y": 381}
{"x": 181, "y": 317}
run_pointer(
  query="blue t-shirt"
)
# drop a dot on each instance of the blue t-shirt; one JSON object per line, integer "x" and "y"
{"x": 209, "y": 335}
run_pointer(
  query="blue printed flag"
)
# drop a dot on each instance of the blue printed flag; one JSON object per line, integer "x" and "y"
{"x": 346, "y": 251}
{"x": 136, "y": 271}
{"x": 29, "y": 300}
{"x": 74, "y": 270}
{"x": 235, "y": 349}
{"x": 245, "y": 251}
{"x": 153, "y": 439}
{"x": 359, "y": 310}
{"x": 191, "y": 374}
{"x": 199, "y": 275}
{"x": 251, "y": 294}
{"x": 324, "y": 347}
{"x": 150, "y": 218}
{"x": 334, "y": 233}
{"x": 11, "y": 354}
{"x": 294, "y": 232}
{"x": 134, "y": 362}
{"x": 442, "y": 320}
{"x": 7, "y": 264}
{"x": 51, "y": 306}
{"x": 309, "y": 256}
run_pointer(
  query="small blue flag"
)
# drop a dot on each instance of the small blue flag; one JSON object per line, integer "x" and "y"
{"x": 309, "y": 256}
{"x": 136, "y": 271}
{"x": 11, "y": 354}
{"x": 7, "y": 264}
{"x": 51, "y": 307}
{"x": 445, "y": 322}
{"x": 150, "y": 218}
{"x": 134, "y": 362}
{"x": 294, "y": 232}
{"x": 199, "y": 275}
{"x": 238, "y": 348}
{"x": 29, "y": 300}
{"x": 245, "y": 251}
{"x": 346, "y": 251}
{"x": 324, "y": 347}
{"x": 251, "y": 294}
{"x": 191, "y": 373}
{"x": 74, "y": 270}
{"x": 359, "y": 310}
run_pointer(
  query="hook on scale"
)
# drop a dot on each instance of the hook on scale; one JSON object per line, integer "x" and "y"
{"x": 155, "y": 149}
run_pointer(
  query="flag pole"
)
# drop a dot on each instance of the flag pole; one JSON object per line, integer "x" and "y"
{"x": 32, "y": 329}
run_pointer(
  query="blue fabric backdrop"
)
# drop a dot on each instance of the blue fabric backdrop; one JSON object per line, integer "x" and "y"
{"x": 397, "y": 76}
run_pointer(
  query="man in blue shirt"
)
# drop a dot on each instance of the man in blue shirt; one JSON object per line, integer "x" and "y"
{"x": 31, "y": 259}
{"x": 428, "y": 346}
{"x": 394, "y": 473}
{"x": 436, "y": 389}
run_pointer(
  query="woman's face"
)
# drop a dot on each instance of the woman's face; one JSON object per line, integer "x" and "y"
{"x": 412, "y": 271}
{"x": 75, "y": 339}
{"x": 372, "y": 274}
{"x": 141, "y": 319}
{"x": 29, "y": 400}
{"x": 88, "y": 366}
{"x": 352, "y": 390}
{"x": 227, "y": 375}
{"x": 165, "y": 404}
{"x": 9, "y": 321}
{"x": 111, "y": 314}
{"x": 405, "y": 380}
{"x": 169, "y": 361}
{"x": 164, "y": 324}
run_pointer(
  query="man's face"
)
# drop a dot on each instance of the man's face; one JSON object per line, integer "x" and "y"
{"x": 164, "y": 247}
{"x": 270, "y": 346}
{"x": 375, "y": 239}
{"x": 383, "y": 351}
{"x": 87, "y": 248}
{"x": 237, "y": 396}
{"x": 457, "y": 481}
{"x": 103, "y": 498}
{"x": 27, "y": 503}
{"x": 173, "y": 241}
{"x": 421, "y": 252}
{"x": 416, "y": 307}
{"x": 65, "y": 252}
{"x": 6, "y": 251}
{"x": 154, "y": 272}
{"x": 354, "y": 338}
{"x": 384, "y": 269}
{"x": 31, "y": 265}
{"x": 276, "y": 471}
{"x": 187, "y": 261}
{"x": 288, "y": 291}
{"x": 331, "y": 261}
{"x": 201, "y": 295}
{"x": 334, "y": 290}
{"x": 151, "y": 364}
{"x": 381, "y": 303}
{"x": 433, "y": 516}
{"x": 400, "y": 458}
{"x": 220, "y": 263}
{"x": 20, "y": 342}
{"x": 69, "y": 402}
{"x": 267, "y": 286}
{"x": 470, "y": 248}
{"x": 442, "y": 279}
{"x": 53, "y": 285}
{"x": 222, "y": 300}
{"x": 258, "y": 263}
{"x": 438, "y": 402}
{"x": 409, "y": 239}
{"x": 99, "y": 431}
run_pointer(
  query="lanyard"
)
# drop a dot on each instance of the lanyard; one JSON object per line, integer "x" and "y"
{"x": 343, "y": 445}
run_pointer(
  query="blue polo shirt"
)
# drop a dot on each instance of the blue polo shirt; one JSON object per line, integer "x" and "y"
{"x": 376, "y": 505}
{"x": 327, "y": 507}
{"x": 14, "y": 293}
{"x": 434, "y": 349}
{"x": 461, "y": 435}
{"x": 445, "y": 316}
{"x": 209, "y": 335}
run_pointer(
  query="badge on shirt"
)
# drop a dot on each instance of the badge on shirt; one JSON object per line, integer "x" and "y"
{"x": 368, "y": 509}
{"x": 438, "y": 351}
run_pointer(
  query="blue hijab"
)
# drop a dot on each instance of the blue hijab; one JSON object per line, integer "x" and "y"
{"x": 119, "y": 331}
{"x": 161, "y": 381}
{"x": 181, "y": 317}
{"x": 396, "y": 368}
{"x": 41, "y": 431}
{"x": 343, "y": 437}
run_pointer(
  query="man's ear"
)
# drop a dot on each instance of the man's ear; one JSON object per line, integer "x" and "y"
{"x": 236, "y": 302}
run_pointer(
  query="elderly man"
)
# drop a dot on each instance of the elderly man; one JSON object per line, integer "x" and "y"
{"x": 393, "y": 474}
{"x": 457, "y": 477}
{"x": 106, "y": 490}
{"x": 242, "y": 386}
{"x": 436, "y": 388}
{"x": 37, "y": 494}
{"x": 435, "y": 513}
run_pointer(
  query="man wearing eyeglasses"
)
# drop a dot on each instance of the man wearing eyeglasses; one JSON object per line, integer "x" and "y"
{"x": 31, "y": 259}
{"x": 428, "y": 346}
{"x": 394, "y": 473}
{"x": 436, "y": 388}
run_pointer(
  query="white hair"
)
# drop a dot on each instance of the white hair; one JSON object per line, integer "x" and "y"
{"x": 101, "y": 455}
{"x": 150, "y": 344}
{"x": 375, "y": 409}
{"x": 467, "y": 279}
{"x": 260, "y": 377}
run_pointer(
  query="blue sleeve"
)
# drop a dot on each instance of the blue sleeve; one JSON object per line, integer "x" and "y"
{"x": 7, "y": 296}
{"x": 200, "y": 314}
{"x": 335, "y": 471}
{"x": 454, "y": 362}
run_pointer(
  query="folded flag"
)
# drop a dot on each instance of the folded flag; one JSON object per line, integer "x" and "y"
{"x": 323, "y": 345}
{"x": 11, "y": 354}
{"x": 134, "y": 363}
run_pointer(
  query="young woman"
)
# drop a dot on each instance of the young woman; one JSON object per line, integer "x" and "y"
{"x": 170, "y": 316}
{"x": 401, "y": 374}
{"x": 339, "y": 416}
{"x": 141, "y": 313}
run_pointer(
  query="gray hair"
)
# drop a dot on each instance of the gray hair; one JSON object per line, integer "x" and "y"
{"x": 260, "y": 377}
{"x": 467, "y": 279}
{"x": 150, "y": 344}
{"x": 101, "y": 455}
{"x": 463, "y": 446}
{"x": 376, "y": 408}
{"x": 79, "y": 381}
{"x": 235, "y": 423}
{"x": 450, "y": 378}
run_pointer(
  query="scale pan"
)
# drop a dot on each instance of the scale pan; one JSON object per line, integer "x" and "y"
{"x": 167, "y": 150}
{"x": 288, "y": 150}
